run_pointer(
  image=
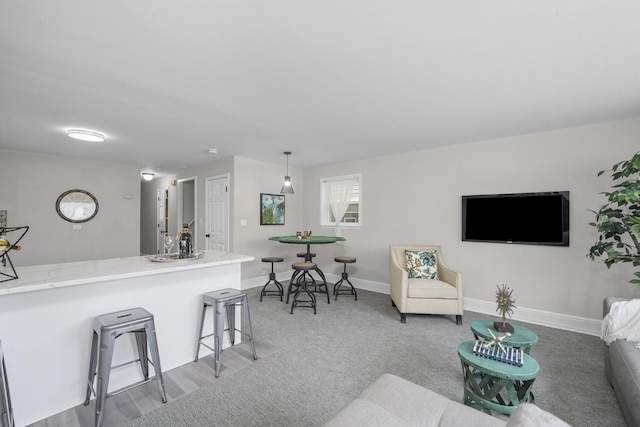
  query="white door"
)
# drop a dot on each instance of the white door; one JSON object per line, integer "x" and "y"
{"x": 217, "y": 202}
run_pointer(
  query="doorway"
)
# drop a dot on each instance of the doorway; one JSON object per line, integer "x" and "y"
{"x": 187, "y": 207}
{"x": 217, "y": 213}
{"x": 162, "y": 218}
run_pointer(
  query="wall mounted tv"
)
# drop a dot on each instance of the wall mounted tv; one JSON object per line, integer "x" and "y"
{"x": 524, "y": 218}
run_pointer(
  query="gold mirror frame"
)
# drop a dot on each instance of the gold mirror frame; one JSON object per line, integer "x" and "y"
{"x": 77, "y": 206}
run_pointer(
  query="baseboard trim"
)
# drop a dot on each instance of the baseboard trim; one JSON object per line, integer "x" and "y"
{"x": 565, "y": 322}
{"x": 367, "y": 285}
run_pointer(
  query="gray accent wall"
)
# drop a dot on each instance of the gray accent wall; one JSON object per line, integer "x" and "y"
{"x": 29, "y": 188}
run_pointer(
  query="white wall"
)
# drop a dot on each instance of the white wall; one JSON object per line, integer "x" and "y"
{"x": 416, "y": 198}
{"x": 253, "y": 177}
{"x": 30, "y": 185}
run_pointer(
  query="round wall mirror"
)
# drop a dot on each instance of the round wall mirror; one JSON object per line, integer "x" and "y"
{"x": 77, "y": 206}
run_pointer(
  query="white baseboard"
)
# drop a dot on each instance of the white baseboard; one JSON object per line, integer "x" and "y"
{"x": 566, "y": 322}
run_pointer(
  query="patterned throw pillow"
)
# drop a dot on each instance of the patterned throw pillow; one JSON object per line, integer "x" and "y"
{"x": 422, "y": 264}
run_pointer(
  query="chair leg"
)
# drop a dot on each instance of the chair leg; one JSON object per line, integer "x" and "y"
{"x": 199, "y": 338}
{"x": 218, "y": 327}
{"x": 93, "y": 363}
{"x": 324, "y": 280}
{"x": 345, "y": 277}
{"x": 143, "y": 355}
{"x": 292, "y": 283}
{"x": 245, "y": 309}
{"x": 302, "y": 288}
{"x": 150, "y": 330}
{"x": 105, "y": 356}
{"x": 272, "y": 278}
{"x": 231, "y": 322}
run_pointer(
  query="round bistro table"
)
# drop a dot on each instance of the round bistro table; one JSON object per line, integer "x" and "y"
{"x": 490, "y": 385}
{"x": 313, "y": 240}
{"x": 520, "y": 338}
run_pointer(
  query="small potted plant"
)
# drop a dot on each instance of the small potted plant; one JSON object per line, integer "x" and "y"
{"x": 506, "y": 304}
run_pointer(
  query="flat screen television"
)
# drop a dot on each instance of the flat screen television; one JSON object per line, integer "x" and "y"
{"x": 524, "y": 218}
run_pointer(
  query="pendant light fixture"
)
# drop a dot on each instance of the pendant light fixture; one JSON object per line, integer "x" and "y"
{"x": 287, "y": 188}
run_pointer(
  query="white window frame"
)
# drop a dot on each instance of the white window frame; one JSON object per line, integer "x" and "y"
{"x": 325, "y": 210}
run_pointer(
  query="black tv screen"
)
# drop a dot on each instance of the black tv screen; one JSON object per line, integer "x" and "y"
{"x": 524, "y": 218}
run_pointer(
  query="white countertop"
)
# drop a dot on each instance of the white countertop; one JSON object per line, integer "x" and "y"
{"x": 39, "y": 277}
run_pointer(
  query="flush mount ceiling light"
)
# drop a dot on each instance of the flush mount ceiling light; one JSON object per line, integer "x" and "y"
{"x": 147, "y": 176}
{"x": 287, "y": 188}
{"x": 86, "y": 135}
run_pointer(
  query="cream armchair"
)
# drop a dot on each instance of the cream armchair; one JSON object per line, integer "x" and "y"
{"x": 424, "y": 296}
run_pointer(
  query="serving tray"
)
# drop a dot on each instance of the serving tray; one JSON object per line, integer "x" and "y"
{"x": 174, "y": 257}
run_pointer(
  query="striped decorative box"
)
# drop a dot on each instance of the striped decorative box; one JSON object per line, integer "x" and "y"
{"x": 512, "y": 356}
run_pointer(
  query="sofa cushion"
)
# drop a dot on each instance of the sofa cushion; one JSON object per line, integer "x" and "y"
{"x": 625, "y": 370}
{"x": 420, "y": 288}
{"x": 395, "y": 402}
{"x": 529, "y": 415}
{"x": 422, "y": 264}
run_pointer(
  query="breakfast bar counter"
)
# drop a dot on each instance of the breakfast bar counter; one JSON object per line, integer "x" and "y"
{"x": 46, "y": 320}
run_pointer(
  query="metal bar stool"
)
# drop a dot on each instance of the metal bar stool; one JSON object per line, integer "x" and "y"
{"x": 312, "y": 284}
{"x": 272, "y": 278}
{"x": 345, "y": 278}
{"x": 106, "y": 329}
{"x": 298, "y": 279}
{"x": 6, "y": 409}
{"x": 224, "y": 302}
{"x": 308, "y": 257}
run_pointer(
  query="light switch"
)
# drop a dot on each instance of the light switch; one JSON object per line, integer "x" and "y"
{"x": 243, "y": 223}
{"x": 77, "y": 227}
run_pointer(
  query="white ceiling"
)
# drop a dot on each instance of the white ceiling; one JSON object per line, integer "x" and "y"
{"x": 329, "y": 80}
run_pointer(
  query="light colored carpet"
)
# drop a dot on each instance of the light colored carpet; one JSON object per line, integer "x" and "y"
{"x": 321, "y": 362}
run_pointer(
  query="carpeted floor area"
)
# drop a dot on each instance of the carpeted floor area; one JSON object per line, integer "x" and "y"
{"x": 320, "y": 362}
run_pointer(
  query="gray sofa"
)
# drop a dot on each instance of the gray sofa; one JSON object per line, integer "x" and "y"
{"x": 622, "y": 367}
{"x": 395, "y": 402}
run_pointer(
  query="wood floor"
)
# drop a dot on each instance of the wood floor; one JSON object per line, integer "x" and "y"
{"x": 141, "y": 400}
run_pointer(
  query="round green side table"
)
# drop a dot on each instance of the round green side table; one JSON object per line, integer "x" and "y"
{"x": 520, "y": 338}
{"x": 490, "y": 385}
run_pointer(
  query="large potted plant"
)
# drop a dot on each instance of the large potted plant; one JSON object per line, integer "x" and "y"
{"x": 618, "y": 220}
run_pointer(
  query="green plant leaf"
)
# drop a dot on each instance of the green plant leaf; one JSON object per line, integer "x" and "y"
{"x": 618, "y": 220}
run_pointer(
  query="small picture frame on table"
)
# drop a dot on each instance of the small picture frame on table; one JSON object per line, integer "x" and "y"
{"x": 272, "y": 209}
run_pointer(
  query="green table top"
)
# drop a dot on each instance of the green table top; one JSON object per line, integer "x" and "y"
{"x": 310, "y": 240}
{"x": 529, "y": 370}
{"x": 521, "y": 336}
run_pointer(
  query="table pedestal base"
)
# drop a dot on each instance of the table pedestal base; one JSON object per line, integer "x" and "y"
{"x": 487, "y": 393}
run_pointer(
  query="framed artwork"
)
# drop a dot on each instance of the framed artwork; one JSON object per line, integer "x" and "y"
{"x": 271, "y": 209}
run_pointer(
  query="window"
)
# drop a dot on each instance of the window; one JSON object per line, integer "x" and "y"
{"x": 341, "y": 195}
